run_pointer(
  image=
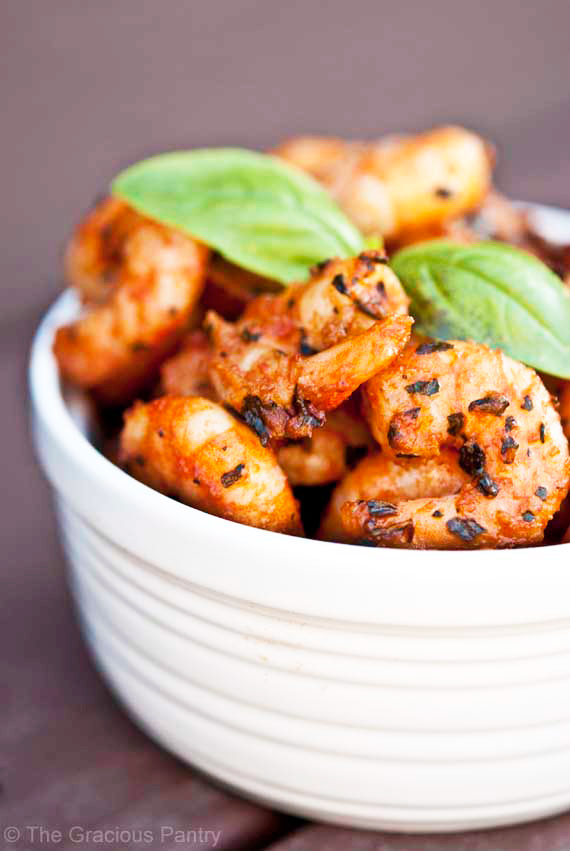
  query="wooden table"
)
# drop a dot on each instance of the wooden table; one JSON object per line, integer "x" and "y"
{"x": 89, "y": 87}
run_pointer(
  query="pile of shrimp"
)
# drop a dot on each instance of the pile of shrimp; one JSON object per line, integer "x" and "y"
{"x": 262, "y": 405}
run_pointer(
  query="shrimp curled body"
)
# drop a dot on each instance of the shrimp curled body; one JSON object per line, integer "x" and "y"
{"x": 379, "y": 482}
{"x": 499, "y": 418}
{"x": 140, "y": 281}
{"x": 187, "y": 373}
{"x": 193, "y": 449}
{"x": 329, "y": 453}
{"x": 323, "y": 458}
{"x": 293, "y": 357}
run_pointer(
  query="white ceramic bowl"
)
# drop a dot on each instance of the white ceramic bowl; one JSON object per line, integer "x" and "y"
{"x": 417, "y": 691}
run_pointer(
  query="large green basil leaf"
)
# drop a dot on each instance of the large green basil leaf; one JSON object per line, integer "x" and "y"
{"x": 256, "y": 210}
{"x": 491, "y": 293}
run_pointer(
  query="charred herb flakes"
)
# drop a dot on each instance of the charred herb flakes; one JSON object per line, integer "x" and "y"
{"x": 424, "y": 388}
{"x": 487, "y": 485}
{"x": 493, "y": 403}
{"x": 430, "y": 348}
{"x": 465, "y": 528}
{"x": 472, "y": 459}
{"x": 509, "y": 448}
{"x": 339, "y": 284}
{"x": 250, "y": 336}
{"x": 232, "y": 476}
{"x": 455, "y": 423}
{"x": 379, "y": 508}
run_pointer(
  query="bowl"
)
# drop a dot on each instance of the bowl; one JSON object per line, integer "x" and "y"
{"x": 408, "y": 691}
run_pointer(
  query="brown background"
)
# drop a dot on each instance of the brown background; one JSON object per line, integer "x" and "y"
{"x": 88, "y": 87}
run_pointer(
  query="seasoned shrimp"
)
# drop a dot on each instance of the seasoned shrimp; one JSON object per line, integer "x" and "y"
{"x": 323, "y": 458}
{"x": 187, "y": 372}
{"x": 279, "y": 393}
{"x": 94, "y": 255}
{"x": 193, "y": 449}
{"x": 295, "y": 356}
{"x": 157, "y": 277}
{"x": 330, "y": 452}
{"x": 499, "y": 417}
{"x": 380, "y": 480}
{"x": 343, "y": 298}
{"x": 399, "y": 185}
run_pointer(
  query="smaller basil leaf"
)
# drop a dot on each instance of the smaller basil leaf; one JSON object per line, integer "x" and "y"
{"x": 256, "y": 210}
{"x": 492, "y": 293}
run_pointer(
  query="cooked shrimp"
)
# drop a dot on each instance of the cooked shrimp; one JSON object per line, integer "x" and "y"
{"x": 94, "y": 255}
{"x": 323, "y": 458}
{"x": 329, "y": 453}
{"x": 281, "y": 394}
{"x": 343, "y": 298}
{"x": 498, "y": 415}
{"x": 157, "y": 277}
{"x": 378, "y": 478}
{"x": 399, "y": 185}
{"x": 193, "y": 449}
{"x": 187, "y": 372}
{"x": 295, "y": 356}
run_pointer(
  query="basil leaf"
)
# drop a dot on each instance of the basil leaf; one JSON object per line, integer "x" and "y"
{"x": 256, "y": 210}
{"x": 491, "y": 293}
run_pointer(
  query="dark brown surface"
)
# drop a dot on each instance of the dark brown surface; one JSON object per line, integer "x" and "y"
{"x": 87, "y": 88}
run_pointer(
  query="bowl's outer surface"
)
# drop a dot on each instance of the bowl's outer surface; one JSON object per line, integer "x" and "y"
{"x": 415, "y": 691}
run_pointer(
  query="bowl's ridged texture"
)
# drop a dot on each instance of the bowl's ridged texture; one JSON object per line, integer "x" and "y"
{"x": 405, "y": 729}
